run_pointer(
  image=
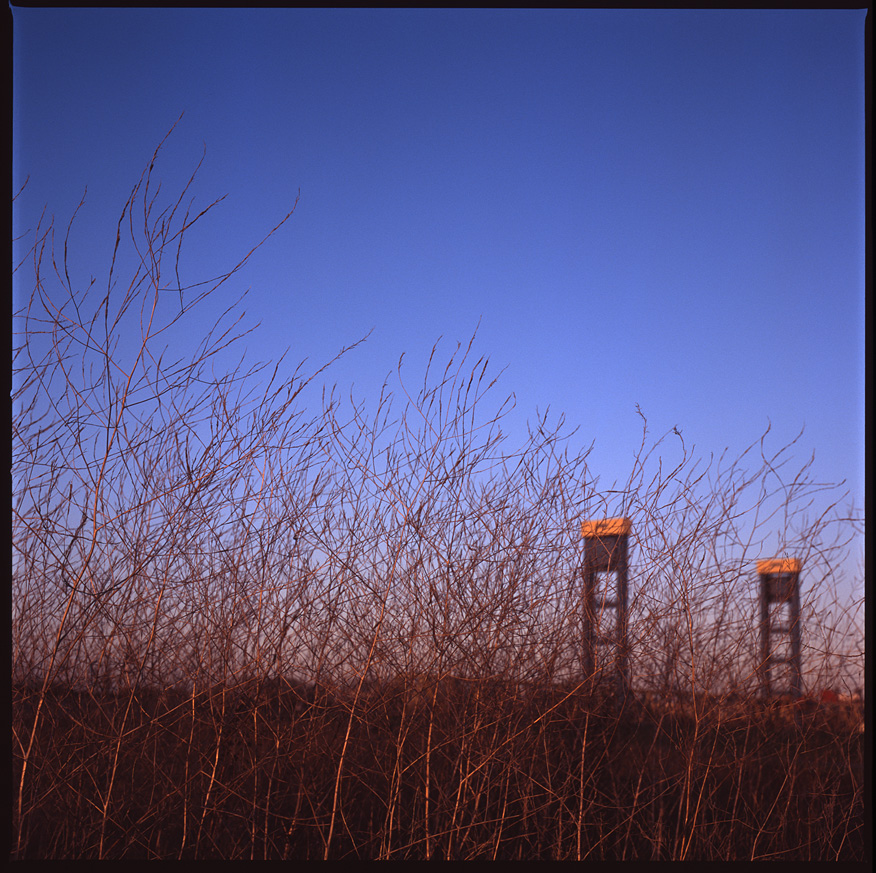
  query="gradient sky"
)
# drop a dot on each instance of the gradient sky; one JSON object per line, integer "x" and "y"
{"x": 662, "y": 208}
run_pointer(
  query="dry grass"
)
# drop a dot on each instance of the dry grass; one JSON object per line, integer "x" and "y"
{"x": 466, "y": 771}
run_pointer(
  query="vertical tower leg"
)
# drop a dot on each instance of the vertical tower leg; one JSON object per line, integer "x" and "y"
{"x": 796, "y": 640}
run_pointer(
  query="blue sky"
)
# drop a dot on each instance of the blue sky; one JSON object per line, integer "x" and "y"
{"x": 662, "y": 208}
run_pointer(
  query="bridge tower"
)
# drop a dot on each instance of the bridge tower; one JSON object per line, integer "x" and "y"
{"x": 606, "y": 590}
{"x": 780, "y": 623}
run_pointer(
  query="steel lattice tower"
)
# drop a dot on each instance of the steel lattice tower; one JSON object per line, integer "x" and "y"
{"x": 605, "y": 552}
{"x": 780, "y": 587}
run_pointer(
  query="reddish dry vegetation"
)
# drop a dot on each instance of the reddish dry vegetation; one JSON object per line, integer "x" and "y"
{"x": 433, "y": 770}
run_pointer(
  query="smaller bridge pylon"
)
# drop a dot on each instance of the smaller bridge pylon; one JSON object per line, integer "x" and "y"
{"x": 780, "y": 632}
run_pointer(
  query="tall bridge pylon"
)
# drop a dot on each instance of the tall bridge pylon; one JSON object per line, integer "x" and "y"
{"x": 606, "y": 589}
